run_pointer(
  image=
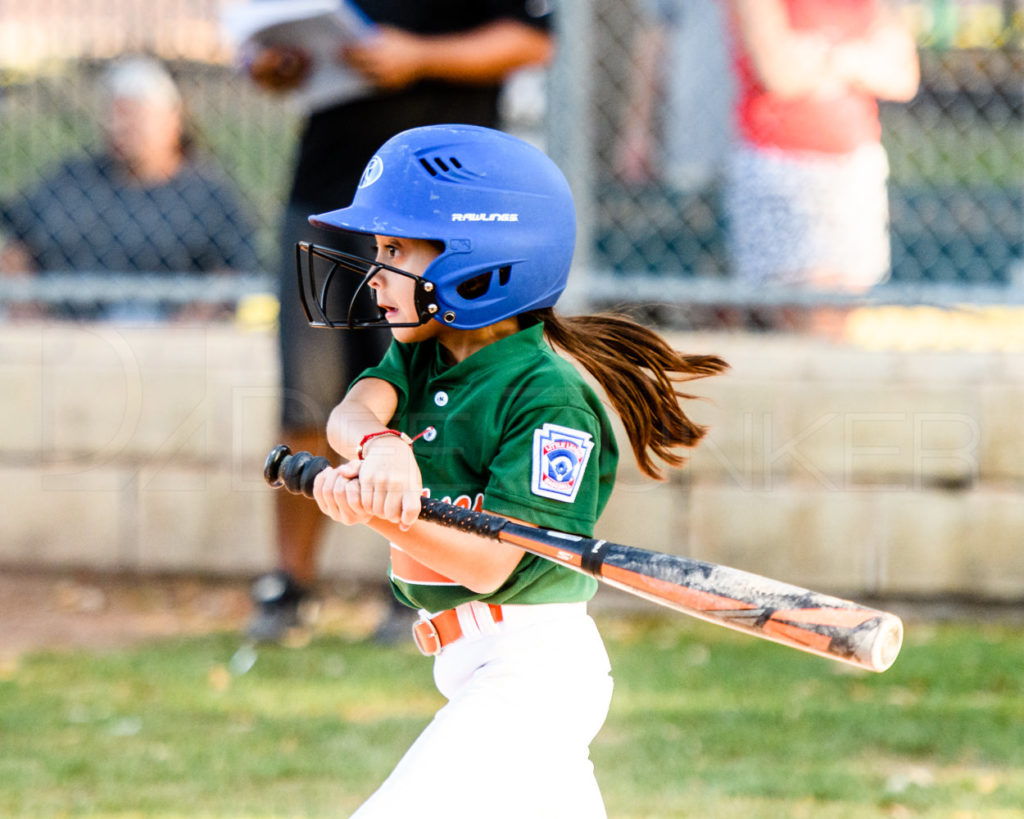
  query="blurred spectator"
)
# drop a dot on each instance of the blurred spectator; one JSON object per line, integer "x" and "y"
{"x": 677, "y": 125}
{"x": 427, "y": 62}
{"x": 143, "y": 204}
{"x": 806, "y": 187}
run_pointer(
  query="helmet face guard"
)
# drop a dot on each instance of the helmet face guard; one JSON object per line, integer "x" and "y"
{"x": 324, "y": 273}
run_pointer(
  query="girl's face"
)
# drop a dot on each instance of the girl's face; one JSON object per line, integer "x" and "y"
{"x": 395, "y": 293}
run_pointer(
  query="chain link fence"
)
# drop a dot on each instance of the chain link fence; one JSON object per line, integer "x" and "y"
{"x": 955, "y": 152}
{"x": 53, "y": 55}
{"x": 656, "y": 241}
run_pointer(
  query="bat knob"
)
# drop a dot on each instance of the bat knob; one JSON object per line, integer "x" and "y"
{"x": 272, "y": 467}
{"x": 295, "y": 473}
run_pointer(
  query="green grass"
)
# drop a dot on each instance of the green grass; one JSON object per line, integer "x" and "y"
{"x": 704, "y": 723}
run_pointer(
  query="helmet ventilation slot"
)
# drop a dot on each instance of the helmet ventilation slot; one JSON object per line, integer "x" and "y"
{"x": 479, "y": 285}
{"x": 437, "y": 165}
{"x": 474, "y": 288}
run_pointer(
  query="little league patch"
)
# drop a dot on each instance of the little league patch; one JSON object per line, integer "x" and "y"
{"x": 560, "y": 456}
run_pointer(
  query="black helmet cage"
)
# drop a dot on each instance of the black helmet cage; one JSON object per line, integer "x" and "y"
{"x": 317, "y": 266}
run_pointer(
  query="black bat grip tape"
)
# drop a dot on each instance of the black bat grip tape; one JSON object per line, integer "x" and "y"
{"x": 457, "y": 517}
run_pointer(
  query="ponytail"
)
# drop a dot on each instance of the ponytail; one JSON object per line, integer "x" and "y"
{"x": 638, "y": 371}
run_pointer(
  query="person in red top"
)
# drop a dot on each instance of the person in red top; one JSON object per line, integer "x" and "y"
{"x": 806, "y": 185}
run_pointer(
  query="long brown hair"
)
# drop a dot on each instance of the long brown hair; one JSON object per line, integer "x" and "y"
{"x": 638, "y": 370}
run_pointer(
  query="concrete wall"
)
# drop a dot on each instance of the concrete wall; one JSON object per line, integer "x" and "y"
{"x": 841, "y": 469}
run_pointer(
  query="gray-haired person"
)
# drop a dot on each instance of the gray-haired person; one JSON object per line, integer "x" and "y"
{"x": 143, "y": 201}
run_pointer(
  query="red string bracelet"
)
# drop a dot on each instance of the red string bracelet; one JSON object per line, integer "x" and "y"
{"x": 360, "y": 450}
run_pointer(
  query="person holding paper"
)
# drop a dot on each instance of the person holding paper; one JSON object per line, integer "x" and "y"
{"x": 423, "y": 63}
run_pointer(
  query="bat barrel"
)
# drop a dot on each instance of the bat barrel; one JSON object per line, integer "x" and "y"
{"x": 763, "y": 607}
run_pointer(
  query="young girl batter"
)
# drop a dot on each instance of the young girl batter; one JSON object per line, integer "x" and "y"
{"x": 474, "y": 232}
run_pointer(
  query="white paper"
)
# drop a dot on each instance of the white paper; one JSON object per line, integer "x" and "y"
{"x": 319, "y": 27}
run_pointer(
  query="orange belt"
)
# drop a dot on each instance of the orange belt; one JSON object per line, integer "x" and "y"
{"x": 433, "y": 634}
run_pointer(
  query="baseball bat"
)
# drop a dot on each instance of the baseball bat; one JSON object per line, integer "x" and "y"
{"x": 760, "y": 606}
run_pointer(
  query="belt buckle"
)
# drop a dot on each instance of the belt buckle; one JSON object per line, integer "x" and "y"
{"x": 428, "y": 641}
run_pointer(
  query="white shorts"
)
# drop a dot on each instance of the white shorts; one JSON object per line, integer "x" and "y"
{"x": 791, "y": 215}
{"x": 514, "y": 738}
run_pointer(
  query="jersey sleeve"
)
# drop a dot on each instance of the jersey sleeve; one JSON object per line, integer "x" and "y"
{"x": 554, "y": 468}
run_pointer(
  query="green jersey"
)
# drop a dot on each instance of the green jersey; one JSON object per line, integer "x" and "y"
{"x": 516, "y": 431}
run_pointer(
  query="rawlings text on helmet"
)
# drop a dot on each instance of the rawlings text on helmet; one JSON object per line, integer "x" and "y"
{"x": 485, "y": 217}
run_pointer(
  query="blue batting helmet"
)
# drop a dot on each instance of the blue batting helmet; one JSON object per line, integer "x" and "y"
{"x": 501, "y": 207}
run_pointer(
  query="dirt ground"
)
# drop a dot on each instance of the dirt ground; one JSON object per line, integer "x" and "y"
{"x": 63, "y": 610}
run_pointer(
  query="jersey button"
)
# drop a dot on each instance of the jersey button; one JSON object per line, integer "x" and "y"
{"x": 429, "y": 434}
{"x": 441, "y": 398}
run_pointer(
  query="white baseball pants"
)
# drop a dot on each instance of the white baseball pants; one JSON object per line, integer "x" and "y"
{"x": 524, "y": 703}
